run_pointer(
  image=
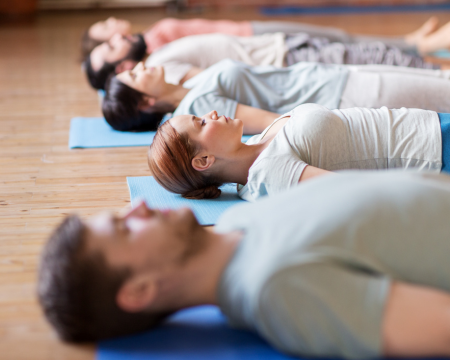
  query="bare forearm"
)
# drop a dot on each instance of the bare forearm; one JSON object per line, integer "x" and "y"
{"x": 416, "y": 321}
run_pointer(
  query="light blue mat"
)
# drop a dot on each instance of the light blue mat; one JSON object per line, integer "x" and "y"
{"x": 199, "y": 333}
{"x": 207, "y": 211}
{"x": 96, "y": 133}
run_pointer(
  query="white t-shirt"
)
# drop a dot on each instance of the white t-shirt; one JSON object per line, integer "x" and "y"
{"x": 202, "y": 51}
{"x": 356, "y": 138}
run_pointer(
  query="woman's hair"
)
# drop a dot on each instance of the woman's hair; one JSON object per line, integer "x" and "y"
{"x": 98, "y": 78}
{"x": 170, "y": 161}
{"x": 88, "y": 44}
{"x": 121, "y": 108}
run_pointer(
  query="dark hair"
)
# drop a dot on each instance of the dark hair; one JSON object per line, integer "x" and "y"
{"x": 87, "y": 44}
{"x": 97, "y": 78}
{"x": 170, "y": 161}
{"x": 138, "y": 48}
{"x": 77, "y": 289}
{"x": 121, "y": 108}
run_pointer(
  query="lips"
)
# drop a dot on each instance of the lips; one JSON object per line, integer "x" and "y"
{"x": 165, "y": 212}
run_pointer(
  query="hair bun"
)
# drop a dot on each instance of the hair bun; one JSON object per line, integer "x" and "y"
{"x": 209, "y": 192}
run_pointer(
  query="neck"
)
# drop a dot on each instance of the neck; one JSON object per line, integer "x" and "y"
{"x": 197, "y": 283}
{"x": 173, "y": 94}
{"x": 236, "y": 168}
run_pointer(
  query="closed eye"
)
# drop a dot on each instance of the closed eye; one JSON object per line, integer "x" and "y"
{"x": 203, "y": 122}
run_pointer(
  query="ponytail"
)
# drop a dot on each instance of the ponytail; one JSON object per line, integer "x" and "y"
{"x": 170, "y": 161}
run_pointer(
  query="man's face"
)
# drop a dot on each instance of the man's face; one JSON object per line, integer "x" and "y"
{"x": 115, "y": 50}
{"x": 144, "y": 239}
{"x": 104, "y": 30}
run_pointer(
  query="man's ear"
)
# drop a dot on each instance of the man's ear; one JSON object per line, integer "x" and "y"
{"x": 203, "y": 162}
{"x": 137, "y": 293}
{"x": 125, "y": 65}
{"x": 146, "y": 103}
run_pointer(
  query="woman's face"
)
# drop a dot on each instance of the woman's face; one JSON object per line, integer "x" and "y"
{"x": 217, "y": 135}
{"x": 149, "y": 81}
{"x": 104, "y": 30}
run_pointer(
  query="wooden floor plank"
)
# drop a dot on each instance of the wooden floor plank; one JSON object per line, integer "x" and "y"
{"x": 41, "y": 88}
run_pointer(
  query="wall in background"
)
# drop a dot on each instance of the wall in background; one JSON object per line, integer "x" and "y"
{"x": 17, "y": 7}
{"x": 89, "y": 4}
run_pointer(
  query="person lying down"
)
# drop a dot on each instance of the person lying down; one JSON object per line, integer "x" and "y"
{"x": 296, "y": 42}
{"x": 136, "y": 100}
{"x": 353, "y": 265}
{"x": 169, "y": 29}
{"x": 193, "y": 156}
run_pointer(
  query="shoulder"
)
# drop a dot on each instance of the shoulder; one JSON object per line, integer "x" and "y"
{"x": 231, "y": 220}
{"x": 231, "y": 68}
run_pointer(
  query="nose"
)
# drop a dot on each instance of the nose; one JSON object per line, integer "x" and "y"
{"x": 140, "y": 210}
{"x": 115, "y": 38}
{"x": 213, "y": 115}
{"x": 139, "y": 67}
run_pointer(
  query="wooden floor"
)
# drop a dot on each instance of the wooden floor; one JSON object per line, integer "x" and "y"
{"x": 41, "y": 88}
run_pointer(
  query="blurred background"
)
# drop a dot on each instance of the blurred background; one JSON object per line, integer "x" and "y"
{"x": 42, "y": 86}
{"x": 19, "y": 8}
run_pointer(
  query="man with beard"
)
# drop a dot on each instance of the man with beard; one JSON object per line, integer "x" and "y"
{"x": 353, "y": 265}
{"x": 120, "y": 53}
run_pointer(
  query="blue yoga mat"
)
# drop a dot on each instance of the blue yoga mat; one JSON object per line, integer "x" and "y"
{"x": 96, "y": 133}
{"x": 207, "y": 211}
{"x": 199, "y": 333}
{"x": 322, "y": 10}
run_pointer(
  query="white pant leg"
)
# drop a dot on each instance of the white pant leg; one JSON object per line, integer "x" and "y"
{"x": 410, "y": 88}
{"x": 400, "y": 69}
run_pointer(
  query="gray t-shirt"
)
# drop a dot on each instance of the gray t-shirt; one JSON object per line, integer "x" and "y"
{"x": 224, "y": 85}
{"x": 356, "y": 138}
{"x": 202, "y": 51}
{"x": 313, "y": 269}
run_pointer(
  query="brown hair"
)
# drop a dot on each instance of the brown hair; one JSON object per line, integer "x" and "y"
{"x": 170, "y": 161}
{"x": 77, "y": 289}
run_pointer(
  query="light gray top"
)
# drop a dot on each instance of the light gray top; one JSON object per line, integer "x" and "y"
{"x": 313, "y": 269}
{"x": 356, "y": 138}
{"x": 224, "y": 85}
{"x": 202, "y": 51}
